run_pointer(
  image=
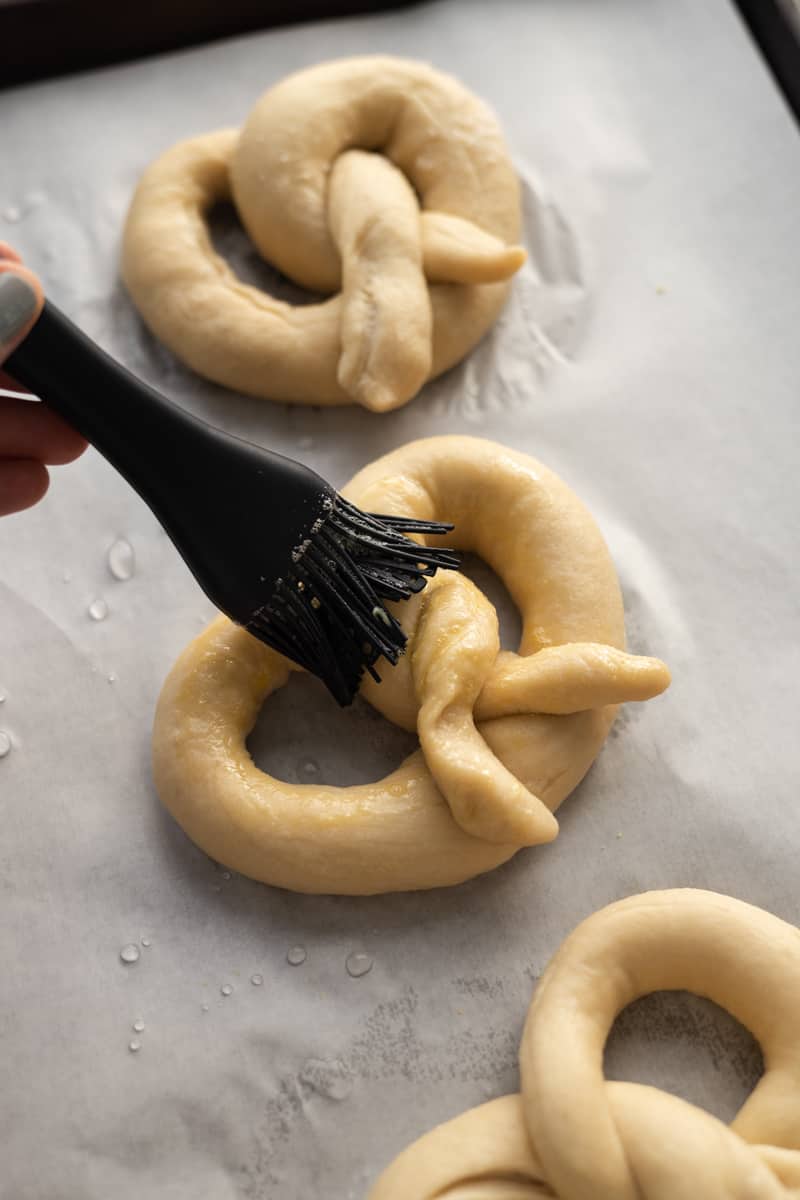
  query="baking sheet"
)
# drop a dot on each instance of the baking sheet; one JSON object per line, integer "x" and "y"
{"x": 649, "y": 355}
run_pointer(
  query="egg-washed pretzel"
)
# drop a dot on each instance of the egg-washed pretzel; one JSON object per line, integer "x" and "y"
{"x": 378, "y": 179}
{"x": 570, "y": 1135}
{"x": 503, "y": 737}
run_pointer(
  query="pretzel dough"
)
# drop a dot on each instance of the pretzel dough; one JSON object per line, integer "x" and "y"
{"x": 329, "y": 175}
{"x": 572, "y": 1136}
{"x": 473, "y": 794}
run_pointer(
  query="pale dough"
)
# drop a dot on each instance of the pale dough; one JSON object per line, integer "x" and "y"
{"x": 473, "y": 794}
{"x": 379, "y": 179}
{"x": 570, "y": 1135}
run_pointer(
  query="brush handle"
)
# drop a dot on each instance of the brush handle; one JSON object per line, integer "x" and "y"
{"x": 140, "y": 432}
{"x": 206, "y": 487}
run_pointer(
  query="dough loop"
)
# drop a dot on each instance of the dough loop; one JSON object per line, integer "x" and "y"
{"x": 504, "y": 737}
{"x": 571, "y": 1135}
{"x": 378, "y": 179}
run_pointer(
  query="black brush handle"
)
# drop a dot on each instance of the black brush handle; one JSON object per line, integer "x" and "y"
{"x": 130, "y": 424}
{"x": 235, "y": 511}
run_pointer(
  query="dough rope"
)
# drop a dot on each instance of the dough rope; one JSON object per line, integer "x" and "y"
{"x": 570, "y": 1135}
{"x": 378, "y": 179}
{"x": 503, "y": 737}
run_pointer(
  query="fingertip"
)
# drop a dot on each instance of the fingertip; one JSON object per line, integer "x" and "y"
{"x": 23, "y": 483}
{"x": 7, "y": 254}
{"x": 63, "y": 445}
{"x": 17, "y": 267}
{"x": 21, "y": 303}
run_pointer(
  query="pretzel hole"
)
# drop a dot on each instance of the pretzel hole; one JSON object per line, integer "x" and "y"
{"x": 301, "y": 736}
{"x": 686, "y": 1045}
{"x": 493, "y": 588}
{"x": 231, "y": 242}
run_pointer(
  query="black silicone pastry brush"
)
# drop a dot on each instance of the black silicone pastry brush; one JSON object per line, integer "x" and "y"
{"x": 270, "y": 543}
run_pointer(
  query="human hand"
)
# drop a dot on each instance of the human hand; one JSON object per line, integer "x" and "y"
{"x": 31, "y": 436}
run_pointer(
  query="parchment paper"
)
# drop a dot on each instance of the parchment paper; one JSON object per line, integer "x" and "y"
{"x": 651, "y": 356}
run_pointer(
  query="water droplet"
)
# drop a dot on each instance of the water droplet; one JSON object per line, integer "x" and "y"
{"x": 129, "y": 953}
{"x": 203, "y": 1008}
{"x": 256, "y": 980}
{"x": 112, "y": 678}
{"x": 2, "y": 697}
{"x": 122, "y": 560}
{"x": 98, "y": 610}
{"x": 358, "y": 964}
{"x": 226, "y": 874}
{"x": 146, "y": 942}
{"x": 296, "y": 956}
{"x": 309, "y": 767}
{"x": 134, "y": 1046}
{"x": 67, "y": 576}
{"x": 12, "y": 214}
{"x": 226, "y": 989}
{"x": 5, "y": 743}
{"x": 138, "y": 1026}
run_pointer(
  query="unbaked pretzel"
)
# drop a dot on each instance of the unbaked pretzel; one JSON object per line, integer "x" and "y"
{"x": 473, "y": 794}
{"x": 571, "y": 1135}
{"x": 329, "y": 175}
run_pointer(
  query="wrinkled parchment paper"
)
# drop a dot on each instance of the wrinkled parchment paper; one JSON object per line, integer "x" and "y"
{"x": 650, "y": 354}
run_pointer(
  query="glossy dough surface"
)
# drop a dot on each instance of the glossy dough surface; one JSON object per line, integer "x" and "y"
{"x": 377, "y": 179}
{"x": 570, "y": 1135}
{"x": 504, "y": 737}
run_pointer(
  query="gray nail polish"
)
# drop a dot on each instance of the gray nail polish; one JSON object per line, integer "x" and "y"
{"x": 17, "y": 305}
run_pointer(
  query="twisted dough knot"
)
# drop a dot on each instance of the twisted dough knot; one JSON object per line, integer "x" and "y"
{"x": 504, "y": 737}
{"x": 377, "y": 178}
{"x": 572, "y": 1136}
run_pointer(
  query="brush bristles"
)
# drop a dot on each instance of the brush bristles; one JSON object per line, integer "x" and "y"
{"x": 327, "y": 613}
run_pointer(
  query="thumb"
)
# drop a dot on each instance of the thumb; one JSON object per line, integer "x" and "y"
{"x": 21, "y": 302}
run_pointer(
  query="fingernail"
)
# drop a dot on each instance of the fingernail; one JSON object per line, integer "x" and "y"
{"x": 17, "y": 305}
